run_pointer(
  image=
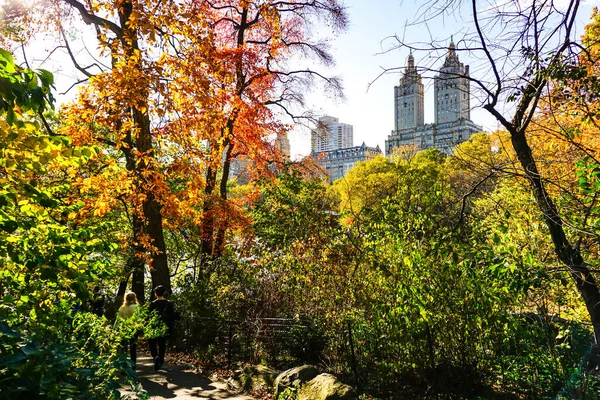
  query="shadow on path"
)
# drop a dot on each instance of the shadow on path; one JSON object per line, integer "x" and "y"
{"x": 173, "y": 382}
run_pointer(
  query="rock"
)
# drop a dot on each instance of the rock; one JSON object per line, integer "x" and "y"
{"x": 325, "y": 387}
{"x": 294, "y": 377}
{"x": 250, "y": 378}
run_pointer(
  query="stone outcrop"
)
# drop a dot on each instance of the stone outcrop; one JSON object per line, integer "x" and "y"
{"x": 250, "y": 378}
{"x": 294, "y": 377}
{"x": 325, "y": 387}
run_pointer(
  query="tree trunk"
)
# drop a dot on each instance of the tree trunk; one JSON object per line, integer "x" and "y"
{"x": 144, "y": 170}
{"x": 222, "y": 228}
{"x": 137, "y": 281}
{"x": 159, "y": 269}
{"x": 208, "y": 217}
{"x": 569, "y": 255}
{"x": 123, "y": 287}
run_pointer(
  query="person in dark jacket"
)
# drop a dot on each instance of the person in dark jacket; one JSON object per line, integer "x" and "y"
{"x": 166, "y": 312}
{"x": 97, "y": 302}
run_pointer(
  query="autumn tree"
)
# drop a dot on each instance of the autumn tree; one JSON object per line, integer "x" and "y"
{"x": 177, "y": 93}
{"x": 525, "y": 46}
{"x": 256, "y": 42}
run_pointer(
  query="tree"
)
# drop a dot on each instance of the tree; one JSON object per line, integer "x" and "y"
{"x": 255, "y": 40}
{"x": 188, "y": 87}
{"x": 525, "y": 45}
{"x": 409, "y": 192}
{"x": 365, "y": 187}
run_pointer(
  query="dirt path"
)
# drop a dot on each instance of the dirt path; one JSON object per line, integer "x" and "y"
{"x": 173, "y": 382}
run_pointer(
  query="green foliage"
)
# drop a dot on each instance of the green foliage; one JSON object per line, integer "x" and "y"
{"x": 366, "y": 186}
{"x": 406, "y": 194}
{"x": 50, "y": 257}
{"x": 59, "y": 355}
{"x": 583, "y": 385}
{"x": 588, "y": 183}
{"x": 290, "y": 393}
{"x": 292, "y": 209}
{"x": 47, "y": 248}
{"x": 538, "y": 360}
{"x": 142, "y": 321}
{"x": 23, "y": 90}
{"x": 432, "y": 286}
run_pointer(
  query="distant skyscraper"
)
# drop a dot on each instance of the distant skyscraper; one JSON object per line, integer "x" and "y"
{"x": 283, "y": 144}
{"x": 332, "y": 147}
{"x": 452, "y": 90}
{"x": 330, "y": 134}
{"x": 452, "y": 108}
{"x": 408, "y": 95}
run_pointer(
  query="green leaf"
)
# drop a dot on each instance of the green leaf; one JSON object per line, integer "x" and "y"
{"x": 13, "y": 359}
{"x": 9, "y": 226}
{"x": 46, "y": 77}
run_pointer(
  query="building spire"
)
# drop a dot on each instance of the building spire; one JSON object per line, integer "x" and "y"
{"x": 451, "y": 57}
{"x": 411, "y": 61}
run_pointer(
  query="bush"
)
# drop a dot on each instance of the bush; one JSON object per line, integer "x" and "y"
{"x": 77, "y": 357}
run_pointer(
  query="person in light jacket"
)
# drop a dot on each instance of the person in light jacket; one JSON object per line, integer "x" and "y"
{"x": 126, "y": 311}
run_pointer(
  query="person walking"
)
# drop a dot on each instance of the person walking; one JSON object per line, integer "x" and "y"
{"x": 167, "y": 314}
{"x": 126, "y": 311}
{"x": 97, "y": 302}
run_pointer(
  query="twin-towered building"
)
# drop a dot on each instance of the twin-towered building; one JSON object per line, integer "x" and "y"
{"x": 452, "y": 108}
{"x": 331, "y": 141}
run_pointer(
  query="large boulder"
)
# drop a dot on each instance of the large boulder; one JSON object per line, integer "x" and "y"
{"x": 295, "y": 377}
{"x": 325, "y": 387}
{"x": 254, "y": 377}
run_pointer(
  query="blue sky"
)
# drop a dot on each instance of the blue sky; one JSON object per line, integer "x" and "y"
{"x": 363, "y": 52}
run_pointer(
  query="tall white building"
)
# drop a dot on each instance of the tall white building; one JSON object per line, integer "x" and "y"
{"x": 452, "y": 108}
{"x": 330, "y": 134}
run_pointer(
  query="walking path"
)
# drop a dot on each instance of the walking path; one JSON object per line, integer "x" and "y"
{"x": 174, "y": 382}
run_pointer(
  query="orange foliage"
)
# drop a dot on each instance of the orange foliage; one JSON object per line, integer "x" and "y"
{"x": 190, "y": 86}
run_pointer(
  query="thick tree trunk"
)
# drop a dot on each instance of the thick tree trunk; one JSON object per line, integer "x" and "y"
{"x": 144, "y": 169}
{"x": 159, "y": 269}
{"x": 123, "y": 286}
{"x": 569, "y": 255}
{"x": 137, "y": 262}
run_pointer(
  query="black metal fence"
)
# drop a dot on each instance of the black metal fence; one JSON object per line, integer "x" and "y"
{"x": 281, "y": 343}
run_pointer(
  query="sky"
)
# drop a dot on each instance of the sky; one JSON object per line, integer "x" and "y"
{"x": 362, "y": 54}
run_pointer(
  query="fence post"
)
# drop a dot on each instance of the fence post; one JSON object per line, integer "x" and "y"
{"x": 430, "y": 347}
{"x": 229, "y": 344}
{"x": 354, "y": 369}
